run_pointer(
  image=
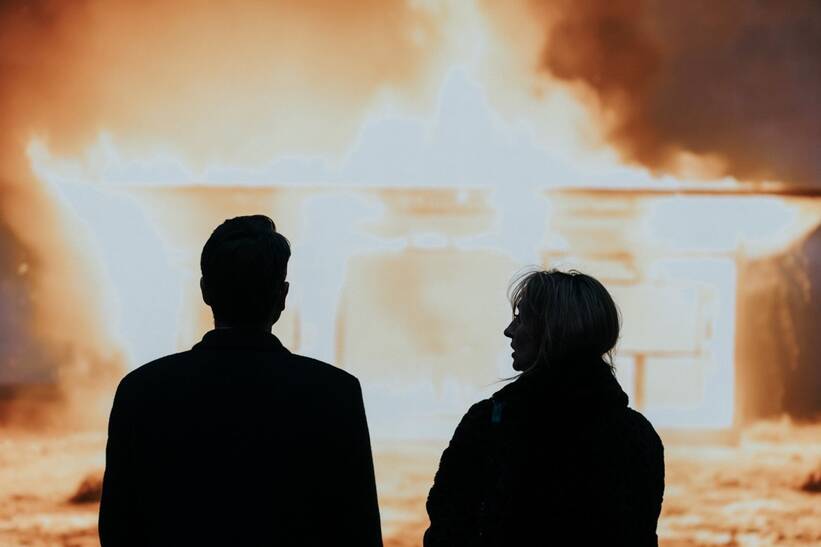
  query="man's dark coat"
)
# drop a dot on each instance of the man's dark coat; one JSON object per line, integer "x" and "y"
{"x": 238, "y": 442}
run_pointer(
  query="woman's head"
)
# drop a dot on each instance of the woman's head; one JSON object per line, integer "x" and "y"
{"x": 560, "y": 317}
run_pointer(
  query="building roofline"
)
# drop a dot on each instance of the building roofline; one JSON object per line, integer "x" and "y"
{"x": 687, "y": 191}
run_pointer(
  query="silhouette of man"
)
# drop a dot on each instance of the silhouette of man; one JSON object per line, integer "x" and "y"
{"x": 238, "y": 441}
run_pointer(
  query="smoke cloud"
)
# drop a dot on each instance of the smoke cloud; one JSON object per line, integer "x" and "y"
{"x": 735, "y": 81}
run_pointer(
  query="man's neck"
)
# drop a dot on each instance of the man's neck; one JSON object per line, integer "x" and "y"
{"x": 261, "y": 328}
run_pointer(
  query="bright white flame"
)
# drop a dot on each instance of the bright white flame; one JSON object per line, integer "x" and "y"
{"x": 464, "y": 142}
{"x": 475, "y": 186}
{"x": 755, "y": 225}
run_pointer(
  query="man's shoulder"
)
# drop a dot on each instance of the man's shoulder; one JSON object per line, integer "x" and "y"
{"x": 321, "y": 370}
{"x": 153, "y": 369}
{"x": 160, "y": 365}
{"x": 174, "y": 365}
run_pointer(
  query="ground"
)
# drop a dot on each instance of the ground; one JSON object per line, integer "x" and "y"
{"x": 757, "y": 491}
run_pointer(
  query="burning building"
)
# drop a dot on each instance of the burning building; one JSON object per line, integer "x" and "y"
{"x": 415, "y": 179}
{"x": 418, "y": 154}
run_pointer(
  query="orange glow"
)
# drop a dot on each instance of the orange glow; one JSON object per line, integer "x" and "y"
{"x": 401, "y": 211}
{"x": 418, "y": 154}
{"x": 670, "y": 261}
{"x": 475, "y": 134}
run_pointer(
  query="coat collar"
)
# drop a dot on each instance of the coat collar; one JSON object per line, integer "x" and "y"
{"x": 585, "y": 385}
{"x": 239, "y": 338}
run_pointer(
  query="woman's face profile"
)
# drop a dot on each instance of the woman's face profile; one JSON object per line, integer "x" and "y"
{"x": 523, "y": 341}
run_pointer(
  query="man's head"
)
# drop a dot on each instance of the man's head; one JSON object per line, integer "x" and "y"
{"x": 244, "y": 264}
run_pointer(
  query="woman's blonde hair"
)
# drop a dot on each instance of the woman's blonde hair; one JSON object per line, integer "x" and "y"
{"x": 571, "y": 314}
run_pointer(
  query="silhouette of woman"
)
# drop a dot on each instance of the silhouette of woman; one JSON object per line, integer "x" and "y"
{"x": 555, "y": 457}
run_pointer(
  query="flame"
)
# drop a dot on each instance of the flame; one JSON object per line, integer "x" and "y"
{"x": 385, "y": 139}
{"x": 387, "y": 251}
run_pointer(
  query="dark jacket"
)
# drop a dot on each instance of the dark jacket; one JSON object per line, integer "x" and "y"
{"x": 550, "y": 460}
{"x": 238, "y": 442}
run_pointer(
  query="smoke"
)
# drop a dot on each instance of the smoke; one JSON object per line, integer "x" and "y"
{"x": 778, "y": 318}
{"x": 735, "y": 81}
{"x": 206, "y": 81}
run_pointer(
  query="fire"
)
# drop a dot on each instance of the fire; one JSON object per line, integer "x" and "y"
{"x": 388, "y": 250}
{"x": 402, "y": 184}
{"x": 418, "y": 153}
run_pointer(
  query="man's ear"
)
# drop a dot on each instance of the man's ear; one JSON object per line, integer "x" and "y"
{"x": 283, "y": 294}
{"x": 206, "y": 297}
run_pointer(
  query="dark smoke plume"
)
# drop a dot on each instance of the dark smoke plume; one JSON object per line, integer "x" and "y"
{"x": 735, "y": 80}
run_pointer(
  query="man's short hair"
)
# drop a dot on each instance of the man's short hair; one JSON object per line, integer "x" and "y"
{"x": 244, "y": 264}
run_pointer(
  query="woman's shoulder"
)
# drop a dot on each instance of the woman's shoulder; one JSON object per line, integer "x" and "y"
{"x": 480, "y": 412}
{"x": 644, "y": 442}
{"x": 475, "y": 424}
{"x": 641, "y": 426}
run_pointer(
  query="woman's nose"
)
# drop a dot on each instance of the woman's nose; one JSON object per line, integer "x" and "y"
{"x": 509, "y": 330}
